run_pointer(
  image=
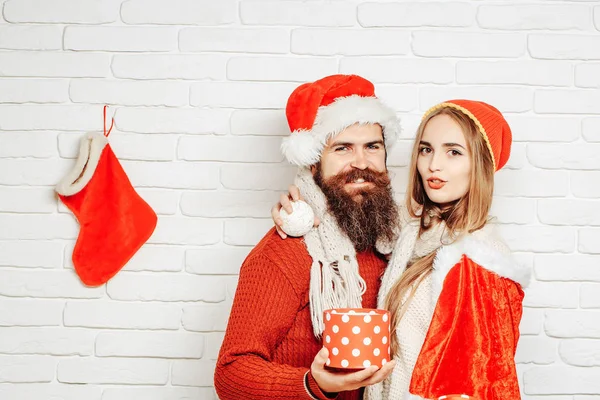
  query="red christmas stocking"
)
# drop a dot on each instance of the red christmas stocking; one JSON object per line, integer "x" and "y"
{"x": 114, "y": 220}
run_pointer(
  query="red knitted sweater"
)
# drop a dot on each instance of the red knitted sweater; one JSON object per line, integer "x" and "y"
{"x": 269, "y": 344}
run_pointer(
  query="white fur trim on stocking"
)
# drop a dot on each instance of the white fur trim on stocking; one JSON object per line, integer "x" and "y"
{"x": 77, "y": 178}
{"x": 304, "y": 147}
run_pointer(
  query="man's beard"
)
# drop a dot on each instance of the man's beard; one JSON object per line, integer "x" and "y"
{"x": 365, "y": 214}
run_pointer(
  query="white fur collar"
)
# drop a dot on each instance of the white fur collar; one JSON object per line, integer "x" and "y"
{"x": 484, "y": 248}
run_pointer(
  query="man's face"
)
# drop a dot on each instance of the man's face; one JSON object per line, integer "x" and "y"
{"x": 353, "y": 177}
{"x": 358, "y": 147}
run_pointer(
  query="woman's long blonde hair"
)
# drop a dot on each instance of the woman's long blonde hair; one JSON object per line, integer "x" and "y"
{"x": 467, "y": 214}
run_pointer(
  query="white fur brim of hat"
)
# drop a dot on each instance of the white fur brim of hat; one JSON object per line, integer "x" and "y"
{"x": 304, "y": 147}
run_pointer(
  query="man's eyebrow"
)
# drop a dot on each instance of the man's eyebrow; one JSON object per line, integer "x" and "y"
{"x": 334, "y": 144}
{"x": 379, "y": 141}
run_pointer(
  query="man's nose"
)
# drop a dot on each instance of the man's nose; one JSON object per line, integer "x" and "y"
{"x": 360, "y": 160}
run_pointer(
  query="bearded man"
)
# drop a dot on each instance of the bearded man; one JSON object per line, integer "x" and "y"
{"x": 272, "y": 348}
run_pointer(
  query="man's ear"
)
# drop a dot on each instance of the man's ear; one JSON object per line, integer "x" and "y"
{"x": 313, "y": 169}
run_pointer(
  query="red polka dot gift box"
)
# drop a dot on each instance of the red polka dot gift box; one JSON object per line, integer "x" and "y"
{"x": 356, "y": 338}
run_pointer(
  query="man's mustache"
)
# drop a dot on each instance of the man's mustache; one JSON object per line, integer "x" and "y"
{"x": 368, "y": 175}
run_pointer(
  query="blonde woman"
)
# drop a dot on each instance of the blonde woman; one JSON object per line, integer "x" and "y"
{"x": 454, "y": 291}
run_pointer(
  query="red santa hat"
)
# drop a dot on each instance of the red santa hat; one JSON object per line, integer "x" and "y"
{"x": 320, "y": 110}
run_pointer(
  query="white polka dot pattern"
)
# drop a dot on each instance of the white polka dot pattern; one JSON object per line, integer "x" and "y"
{"x": 356, "y": 338}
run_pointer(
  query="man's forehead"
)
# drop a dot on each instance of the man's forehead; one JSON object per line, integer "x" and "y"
{"x": 358, "y": 134}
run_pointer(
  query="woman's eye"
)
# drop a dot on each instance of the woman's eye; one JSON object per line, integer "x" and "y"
{"x": 425, "y": 150}
{"x": 455, "y": 152}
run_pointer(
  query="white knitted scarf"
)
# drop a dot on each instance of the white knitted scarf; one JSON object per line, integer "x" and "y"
{"x": 413, "y": 327}
{"x": 483, "y": 246}
{"x": 335, "y": 281}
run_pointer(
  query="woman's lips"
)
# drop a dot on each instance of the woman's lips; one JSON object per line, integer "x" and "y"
{"x": 435, "y": 184}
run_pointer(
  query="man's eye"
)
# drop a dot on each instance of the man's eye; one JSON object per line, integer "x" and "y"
{"x": 341, "y": 148}
{"x": 374, "y": 146}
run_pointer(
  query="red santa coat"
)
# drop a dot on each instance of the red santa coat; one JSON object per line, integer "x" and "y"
{"x": 470, "y": 344}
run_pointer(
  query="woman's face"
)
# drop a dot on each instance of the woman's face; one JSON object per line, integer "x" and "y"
{"x": 444, "y": 161}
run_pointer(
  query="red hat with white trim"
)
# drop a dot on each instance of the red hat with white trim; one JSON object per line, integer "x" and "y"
{"x": 320, "y": 110}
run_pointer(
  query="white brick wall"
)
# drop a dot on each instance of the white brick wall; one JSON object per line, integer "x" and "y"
{"x": 197, "y": 89}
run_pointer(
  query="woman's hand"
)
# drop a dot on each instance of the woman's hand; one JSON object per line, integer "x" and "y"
{"x": 285, "y": 202}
